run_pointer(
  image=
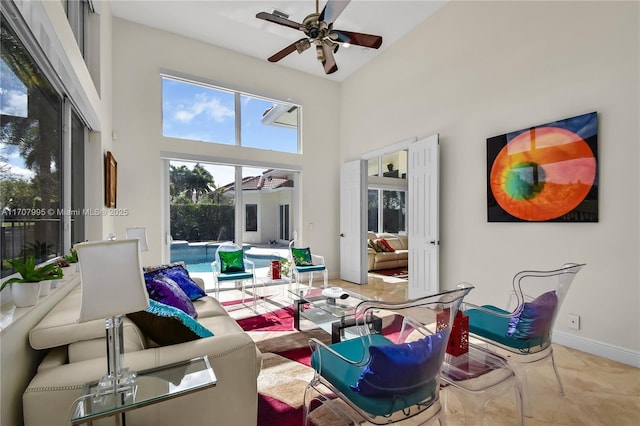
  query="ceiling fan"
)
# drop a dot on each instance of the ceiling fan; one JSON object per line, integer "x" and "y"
{"x": 319, "y": 31}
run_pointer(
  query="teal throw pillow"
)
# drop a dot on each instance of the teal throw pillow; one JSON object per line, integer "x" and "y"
{"x": 301, "y": 256}
{"x": 231, "y": 261}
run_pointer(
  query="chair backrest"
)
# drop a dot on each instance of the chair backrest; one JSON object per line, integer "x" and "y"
{"x": 529, "y": 285}
{"x": 415, "y": 319}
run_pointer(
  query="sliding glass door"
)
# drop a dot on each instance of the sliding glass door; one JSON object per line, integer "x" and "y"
{"x": 214, "y": 203}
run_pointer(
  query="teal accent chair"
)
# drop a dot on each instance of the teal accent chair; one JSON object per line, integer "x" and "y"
{"x": 521, "y": 333}
{"x": 298, "y": 270}
{"x": 385, "y": 376}
{"x": 246, "y": 271}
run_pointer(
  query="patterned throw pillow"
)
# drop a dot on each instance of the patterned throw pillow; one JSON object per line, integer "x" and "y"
{"x": 535, "y": 318}
{"x": 167, "y": 325}
{"x": 231, "y": 261}
{"x": 301, "y": 256}
{"x": 387, "y": 246}
{"x": 403, "y": 368}
{"x": 372, "y": 244}
{"x": 178, "y": 273}
{"x": 165, "y": 290}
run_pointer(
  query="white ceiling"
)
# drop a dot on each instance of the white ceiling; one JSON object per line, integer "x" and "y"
{"x": 233, "y": 25}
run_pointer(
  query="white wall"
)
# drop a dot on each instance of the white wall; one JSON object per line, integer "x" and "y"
{"x": 480, "y": 69}
{"x": 139, "y": 53}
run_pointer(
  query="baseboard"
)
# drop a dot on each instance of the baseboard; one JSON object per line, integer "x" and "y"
{"x": 594, "y": 347}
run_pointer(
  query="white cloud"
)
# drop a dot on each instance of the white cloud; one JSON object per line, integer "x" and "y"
{"x": 204, "y": 105}
{"x": 14, "y": 102}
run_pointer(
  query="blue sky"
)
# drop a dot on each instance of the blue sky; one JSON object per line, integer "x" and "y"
{"x": 203, "y": 113}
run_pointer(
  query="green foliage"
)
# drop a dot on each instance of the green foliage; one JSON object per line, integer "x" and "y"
{"x": 190, "y": 185}
{"x": 72, "y": 257}
{"x": 202, "y": 222}
{"x": 29, "y": 272}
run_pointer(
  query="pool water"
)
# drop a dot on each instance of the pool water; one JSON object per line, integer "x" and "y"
{"x": 198, "y": 256}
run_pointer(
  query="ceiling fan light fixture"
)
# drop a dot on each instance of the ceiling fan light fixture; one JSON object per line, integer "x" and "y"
{"x": 320, "y": 53}
{"x": 302, "y": 45}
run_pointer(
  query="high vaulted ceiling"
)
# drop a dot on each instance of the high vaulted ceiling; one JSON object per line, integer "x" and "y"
{"x": 233, "y": 25}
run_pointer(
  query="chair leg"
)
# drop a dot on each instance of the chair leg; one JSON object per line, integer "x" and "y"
{"x": 521, "y": 374}
{"x": 310, "y": 279}
{"x": 326, "y": 278}
{"x": 555, "y": 370}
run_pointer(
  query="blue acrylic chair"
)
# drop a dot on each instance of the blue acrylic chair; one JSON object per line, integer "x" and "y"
{"x": 521, "y": 333}
{"x": 390, "y": 375}
{"x": 305, "y": 262}
{"x": 231, "y": 264}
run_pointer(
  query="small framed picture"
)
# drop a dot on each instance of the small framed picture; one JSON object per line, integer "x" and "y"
{"x": 111, "y": 180}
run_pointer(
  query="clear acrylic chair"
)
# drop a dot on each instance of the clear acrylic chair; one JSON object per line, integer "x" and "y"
{"x": 231, "y": 264}
{"x": 388, "y": 376}
{"x": 521, "y": 333}
{"x": 305, "y": 262}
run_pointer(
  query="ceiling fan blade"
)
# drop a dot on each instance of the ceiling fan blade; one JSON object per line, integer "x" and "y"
{"x": 284, "y": 52}
{"x": 279, "y": 20}
{"x": 329, "y": 61}
{"x": 359, "y": 39}
{"x": 332, "y": 10}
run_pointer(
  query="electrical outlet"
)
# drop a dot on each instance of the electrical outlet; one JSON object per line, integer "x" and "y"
{"x": 574, "y": 321}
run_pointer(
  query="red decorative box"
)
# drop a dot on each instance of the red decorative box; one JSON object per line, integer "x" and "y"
{"x": 459, "y": 337}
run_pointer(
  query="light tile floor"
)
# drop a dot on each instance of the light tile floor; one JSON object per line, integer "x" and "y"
{"x": 598, "y": 391}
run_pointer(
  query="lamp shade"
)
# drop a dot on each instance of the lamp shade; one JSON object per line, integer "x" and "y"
{"x": 112, "y": 279}
{"x": 141, "y": 234}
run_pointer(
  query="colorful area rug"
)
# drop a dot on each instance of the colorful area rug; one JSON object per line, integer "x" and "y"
{"x": 396, "y": 273}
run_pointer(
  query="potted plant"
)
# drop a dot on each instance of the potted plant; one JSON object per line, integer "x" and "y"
{"x": 26, "y": 289}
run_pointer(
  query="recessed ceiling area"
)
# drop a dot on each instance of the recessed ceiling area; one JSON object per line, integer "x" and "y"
{"x": 233, "y": 25}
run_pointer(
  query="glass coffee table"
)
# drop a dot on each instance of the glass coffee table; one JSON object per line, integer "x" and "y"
{"x": 334, "y": 315}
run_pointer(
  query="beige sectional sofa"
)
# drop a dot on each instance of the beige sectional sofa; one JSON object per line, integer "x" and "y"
{"x": 399, "y": 258}
{"x": 76, "y": 355}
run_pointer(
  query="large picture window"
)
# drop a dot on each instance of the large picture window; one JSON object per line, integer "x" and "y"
{"x": 201, "y": 112}
{"x": 32, "y": 113}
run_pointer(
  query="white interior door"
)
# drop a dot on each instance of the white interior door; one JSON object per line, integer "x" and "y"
{"x": 353, "y": 223}
{"x": 423, "y": 205}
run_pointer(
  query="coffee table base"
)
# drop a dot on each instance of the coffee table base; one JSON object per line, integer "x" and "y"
{"x": 337, "y": 326}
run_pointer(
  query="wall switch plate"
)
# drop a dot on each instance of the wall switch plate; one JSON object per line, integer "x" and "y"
{"x": 574, "y": 321}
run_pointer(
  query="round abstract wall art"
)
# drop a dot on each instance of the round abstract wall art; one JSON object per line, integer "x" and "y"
{"x": 544, "y": 173}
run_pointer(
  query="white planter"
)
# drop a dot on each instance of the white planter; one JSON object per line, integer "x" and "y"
{"x": 25, "y": 294}
{"x": 45, "y": 287}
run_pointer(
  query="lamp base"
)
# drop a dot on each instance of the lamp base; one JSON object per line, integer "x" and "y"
{"x": 124, "y": 383}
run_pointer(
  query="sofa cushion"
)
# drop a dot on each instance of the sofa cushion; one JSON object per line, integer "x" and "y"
{"x": 167, "y": 325}
{"x": 61, "y": 327}
{"x": 178, "y": 273}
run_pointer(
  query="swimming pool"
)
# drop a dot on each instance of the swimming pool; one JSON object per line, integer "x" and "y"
{"x": 198, "y": 256}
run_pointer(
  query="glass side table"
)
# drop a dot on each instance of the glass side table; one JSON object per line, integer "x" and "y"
{"x": 152, "y": 386}
{"x": 477, "y": 376}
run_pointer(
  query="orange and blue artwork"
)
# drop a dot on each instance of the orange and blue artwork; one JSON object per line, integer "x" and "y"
{"x": 546, "y": 173}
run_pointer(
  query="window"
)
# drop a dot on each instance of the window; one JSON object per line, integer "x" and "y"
{"x": 251, "y": 217}
{"x": 201, "y": 112}
{"x": 32, "y": 113}
{"x": 387, "y": 191}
